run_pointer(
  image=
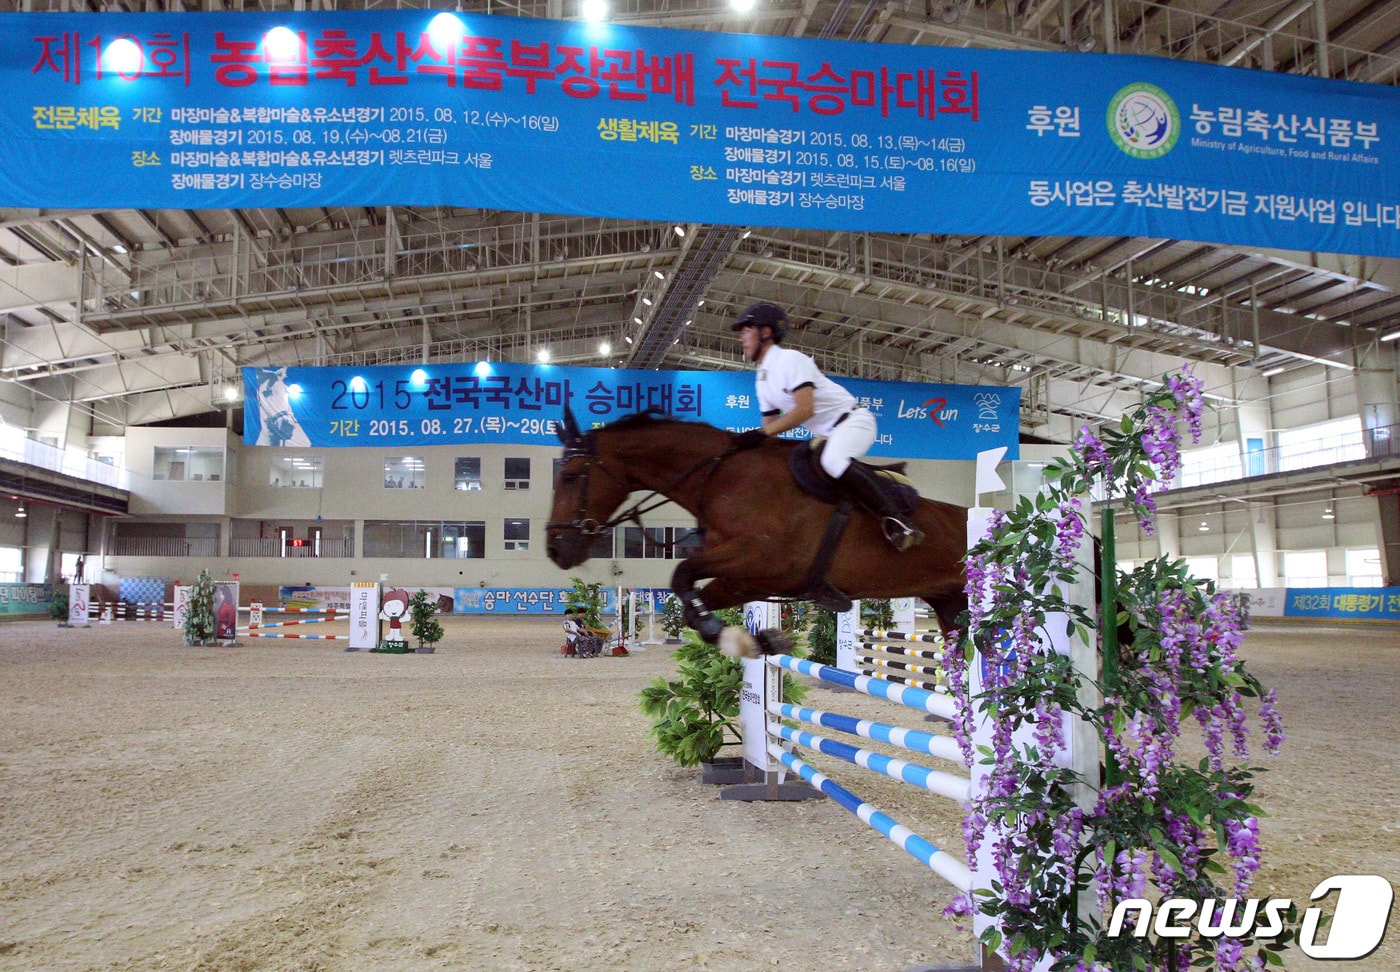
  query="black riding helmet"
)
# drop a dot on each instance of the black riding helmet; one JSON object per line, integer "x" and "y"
{"x": 763, "y": 313}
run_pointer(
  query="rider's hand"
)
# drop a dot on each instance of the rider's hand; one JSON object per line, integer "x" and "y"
{"x": 751, "y": 439}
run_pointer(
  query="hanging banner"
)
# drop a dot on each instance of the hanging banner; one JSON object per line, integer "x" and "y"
{"x": 181, "y": 604}
{"x": 520, "y": 404}
{"x": 364, "y": 615}
{"x": 409, "y": 107}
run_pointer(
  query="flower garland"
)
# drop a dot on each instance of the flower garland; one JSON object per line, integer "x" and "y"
{"x": 1153, "y": 825}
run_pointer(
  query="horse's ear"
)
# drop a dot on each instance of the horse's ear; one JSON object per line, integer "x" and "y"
{"x": 568, "y": 432}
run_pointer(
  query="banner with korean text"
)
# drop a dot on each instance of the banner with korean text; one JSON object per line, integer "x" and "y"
{"x": 520, "y": 404}
{"x": 412, "y": 107}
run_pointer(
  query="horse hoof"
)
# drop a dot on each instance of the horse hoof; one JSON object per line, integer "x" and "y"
{"x": 736, "y": 642}
{"x": 771, "y": 641}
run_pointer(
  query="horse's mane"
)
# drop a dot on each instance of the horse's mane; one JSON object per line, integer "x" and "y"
{"x": 650, "y": 418}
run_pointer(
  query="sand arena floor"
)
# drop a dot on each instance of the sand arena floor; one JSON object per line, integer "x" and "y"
{"x": 287, "y": 806}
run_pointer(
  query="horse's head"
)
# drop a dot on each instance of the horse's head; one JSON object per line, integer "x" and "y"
{"x": 586, "y": 494}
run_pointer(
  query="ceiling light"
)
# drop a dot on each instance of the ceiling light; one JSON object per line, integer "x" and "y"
{"x": 1392, "y": 336}
{"x": 647, "y": 301}
{"x": 700, "y": 302}
{"x": 231, "y": 393}
{"x": 679, "y": 231}
{"x": 594, "y": 10}
{"x": 627, "y": 338}
{"x": 1270, "y": 372}
{"x": 542, "y": 356}
{"x": 605, "y": 349}
{"x": 950, "y": 13}
{"x": 419, "y": 378}
{"x": 482, "y": 369}
{"x": 1327, "y": 514}
{"x": 636, "y": 320}
{"x": 20, "y": 513}
{"x": 658, "y": 275}
{"x": 1086, "y": 44}
{"x": 746, "y": 234}
{"x": 1205, "y": 527}
{"x": 446, "y": 29}
{"x": 741, "y": 6}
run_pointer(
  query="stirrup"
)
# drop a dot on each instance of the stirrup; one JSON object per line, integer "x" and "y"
{"x": 901, "y": 535}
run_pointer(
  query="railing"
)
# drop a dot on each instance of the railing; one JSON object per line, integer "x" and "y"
{"x": 1348, "y": 447}
{"x": 14, "y": 444}
{"x": 275, "y": 547}
{"x": 166, "y": 547}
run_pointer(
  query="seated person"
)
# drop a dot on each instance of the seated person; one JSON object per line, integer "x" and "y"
{"x": 571, "y": 632}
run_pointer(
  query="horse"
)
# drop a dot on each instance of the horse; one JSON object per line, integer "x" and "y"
{"x": 761, "y": 534}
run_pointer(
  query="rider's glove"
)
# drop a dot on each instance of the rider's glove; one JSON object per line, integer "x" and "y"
{"x": 751, "y": 439}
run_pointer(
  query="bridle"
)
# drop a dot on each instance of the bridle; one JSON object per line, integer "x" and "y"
{"x": 584, "y": 446}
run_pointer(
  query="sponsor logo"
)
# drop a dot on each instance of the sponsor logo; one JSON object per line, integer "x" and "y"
{"x": 934, "y": 409}
{"x": 1358, "y": 921}
{"x": 1143, "y": 121}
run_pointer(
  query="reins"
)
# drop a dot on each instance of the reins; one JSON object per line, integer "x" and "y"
{"x": 633, "y": 514}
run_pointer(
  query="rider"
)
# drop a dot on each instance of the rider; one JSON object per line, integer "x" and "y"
{"x": 792, "y": 391}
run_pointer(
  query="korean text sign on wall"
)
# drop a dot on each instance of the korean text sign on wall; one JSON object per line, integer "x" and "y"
{"x": 408, "y": 107}
{"x": 519, "y": 404}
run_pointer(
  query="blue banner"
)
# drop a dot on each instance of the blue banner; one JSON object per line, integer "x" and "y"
{"x": 521, "y": 404}
{"x": 1343, "y": 603}
{"x": 521, "y": 600}
{"x": 409, "y": 107}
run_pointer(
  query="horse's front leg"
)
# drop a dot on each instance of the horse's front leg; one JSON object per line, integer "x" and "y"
{"x": 696, "y": 606}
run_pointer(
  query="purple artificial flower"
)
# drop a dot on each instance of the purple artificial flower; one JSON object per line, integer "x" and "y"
{"x": 1273, "y": 723}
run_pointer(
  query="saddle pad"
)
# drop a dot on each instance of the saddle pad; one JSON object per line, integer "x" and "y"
{"x": 805, "y": 465}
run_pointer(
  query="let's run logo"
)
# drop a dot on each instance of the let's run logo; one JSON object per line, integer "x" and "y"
{"x": 1144, "y": 121}
{"x": 936, "y": 410}
{"x": 1358, "y": 923}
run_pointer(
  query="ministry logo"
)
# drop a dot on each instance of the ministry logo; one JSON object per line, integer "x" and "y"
{"x": 1143, "y": 120}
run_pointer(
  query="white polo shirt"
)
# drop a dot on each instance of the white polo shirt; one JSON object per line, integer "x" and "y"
{"x": 783, "y": 371}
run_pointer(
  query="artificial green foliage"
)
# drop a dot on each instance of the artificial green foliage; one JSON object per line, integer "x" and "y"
{"x": 672, "y": 617}
{"x": 587, "y": 598}
{"x": 423, "y": 623}
{"x": 877, "y": 613}
{"x": 58, "y": 606}
{"x": 696, "y": 714}
{"x": 821, "y": 639}
{"x": 199, "y": 615}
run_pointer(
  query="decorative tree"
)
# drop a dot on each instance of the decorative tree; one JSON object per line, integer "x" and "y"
{"x": 199, "y": 614}
{"x": 877, "y": 613}
{"x": 587, "y": 598}
{"x": 1157, "y": 828}
{"x": 423, "y": 623}
{"x": 672, "y": 618}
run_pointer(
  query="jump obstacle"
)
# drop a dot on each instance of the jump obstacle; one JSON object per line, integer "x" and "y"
{"x": 257, "y": 629}
{"x": 771, "y": 747}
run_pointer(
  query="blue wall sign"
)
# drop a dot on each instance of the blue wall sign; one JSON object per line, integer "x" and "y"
{"x": 520, "y": 404}
{"x": 409, "y": 107}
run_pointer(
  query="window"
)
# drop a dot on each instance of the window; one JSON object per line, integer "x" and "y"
{"x": 1305, "y": 568}
{"x": 517, "y": 474}
{"x": 11, "y": 565}
{"x": 1203, "y": 568}
{"x": 187, "y": 464}
{"x": 466, "y": 472}
{"x": 1364, "y": 567}
{"x": 1242, "y": 572}
{"x": 660, "y": 543}
{"x": 403, "y": 472}
{"x": 299, "y": 472}
{"x": 1320, "y": 445}
{"x": 517, "y": 534}
{"x": 463, "y": 541}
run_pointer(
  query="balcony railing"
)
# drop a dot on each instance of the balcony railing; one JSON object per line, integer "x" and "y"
{"x": 275, "y": 547}
{"x": 1366, "y": 444}
{"x": 166, "y": 547}
{"x": 14, "y": 444}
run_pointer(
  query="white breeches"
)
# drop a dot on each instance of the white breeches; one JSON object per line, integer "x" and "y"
{"x": 849, "y": 440}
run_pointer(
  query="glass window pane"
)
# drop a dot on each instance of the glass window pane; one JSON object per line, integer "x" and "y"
{"x": 632, "y": 543}
{"x": 1364, "y": 567}
{"x": 403, "y": 472}
{"x": 601, "y": 546}
{"x": 1305, "y": 568}
{"x": 466, "y": 472}
{"x": 517, "y": 534}
{"x": 296, "y": 471}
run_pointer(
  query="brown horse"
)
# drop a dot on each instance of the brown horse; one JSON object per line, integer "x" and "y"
{"x": 761, "y": 532}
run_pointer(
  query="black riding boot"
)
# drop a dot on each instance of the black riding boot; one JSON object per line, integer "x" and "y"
{"x": 861, "y": 485}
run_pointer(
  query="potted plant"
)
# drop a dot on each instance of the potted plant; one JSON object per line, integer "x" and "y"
{"x": 672, "y": 619}
{"x": 199, "y": 616}
{"x": 696, "y": 714}
{"x": 423, "y": 623}
{"x": 58, "y": 608}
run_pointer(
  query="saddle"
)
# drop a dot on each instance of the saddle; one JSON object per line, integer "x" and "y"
{"x": 804, "y": 462}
